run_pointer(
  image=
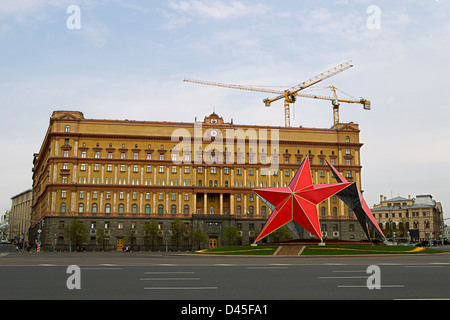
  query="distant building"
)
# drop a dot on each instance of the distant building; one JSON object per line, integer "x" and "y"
{"x": 20, "y": 216}
{"x": 419, "y": 218}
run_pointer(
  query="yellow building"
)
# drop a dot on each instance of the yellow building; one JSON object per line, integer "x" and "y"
{"x": 116, "y": 173}
{"x": 413, "y": 219}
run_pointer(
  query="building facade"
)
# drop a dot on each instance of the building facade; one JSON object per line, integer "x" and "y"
{"x": 119, "y": 174}
{"x": 20, "y": 216}
{"x": 414, "y": 219}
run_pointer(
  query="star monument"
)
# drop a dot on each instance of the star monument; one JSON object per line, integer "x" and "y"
{"x": 297, "y": 203}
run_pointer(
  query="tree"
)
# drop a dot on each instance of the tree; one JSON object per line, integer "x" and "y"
{"x": 101, "y": 235}
{"x": 177, "y": 232}
{"x": 231, "y": 234}
{"x": 77, "y": 233}
{"x": 151, "y": 233}
{"x": 197, "y": 237}
{"x": 281, "y": 234}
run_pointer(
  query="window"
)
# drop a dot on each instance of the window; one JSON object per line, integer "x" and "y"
{"x": 186, "y": 209}
{"x": 173, "y": 209}
{"x": 67, "y": 129}
{"x": 94, "y": 208}
{"x": 66, "y": 154}
{"x": 109, "y": 168}
{"x": 263, "y": 210}
{"x": 147, "y": 208}
{"x": 238, "y": 210}
{"x": 136, "y": 155}
{"x": 107, "y": 208}
{"x": 213, "y": 170}
{"x": 161, "y": 169}
{"x": 250, "y": 210}
{"x": 63, "y": 207}
{"x": 63, "y": 194}
{"x": 134, "y": 208}
{"x": 121, "y": 208}
{"x": 135, "y": 168}
{"x": 160, "y": 209}
{"x": 81, "y": 208}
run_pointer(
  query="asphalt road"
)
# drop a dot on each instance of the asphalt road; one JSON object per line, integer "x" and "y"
{"x": 144, "y": 276}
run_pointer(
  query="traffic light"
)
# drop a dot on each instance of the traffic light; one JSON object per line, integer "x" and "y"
{"x": 7, "y": 216}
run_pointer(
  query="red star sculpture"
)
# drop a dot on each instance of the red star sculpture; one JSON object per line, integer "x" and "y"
{"x": 297, "y": 202}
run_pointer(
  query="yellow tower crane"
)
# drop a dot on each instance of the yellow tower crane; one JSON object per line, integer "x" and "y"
{"x": 290, "y": 94}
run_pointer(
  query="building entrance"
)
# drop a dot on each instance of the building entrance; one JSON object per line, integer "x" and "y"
{"x": 213, "y": 242}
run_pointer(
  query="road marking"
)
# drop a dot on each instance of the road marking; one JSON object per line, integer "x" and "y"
{"x": 424, "y": 266}
{"x": 350, "y": 271}
{"x": 382, "y": 286}
{"x": 169, "y": 272}
{"x": 225, "y": 265}
{"x": 108, "y": 264}
{"x": 3, "y": 254}
{"x": 167, "y": 279}
{"x": 47, "y": 265}
{"x": 99, "y": 268}
{"x": 167, "y": 265}
{"x": 354, "y": 277}
{"x": 253, "y": 268}
{"x": 181, "y": 288}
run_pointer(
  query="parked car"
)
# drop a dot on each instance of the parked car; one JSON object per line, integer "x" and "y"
{"x": 422, "y": 244}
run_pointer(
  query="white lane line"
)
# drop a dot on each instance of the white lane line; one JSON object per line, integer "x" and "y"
{"x": 382, "y": 286}
{"x": 354, "y": 277}
{"x": 168, "y": 279}
{"x": 100, "y": 268}
{"x": 424, "y": 266}
{"x": 351, "y": 271}
{"x": 169, "y": 272}
{"x": 253, "y": 268}
{"x": 181, "y": 288}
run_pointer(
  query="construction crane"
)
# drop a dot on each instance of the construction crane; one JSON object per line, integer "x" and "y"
{"x": 290, "y": 94}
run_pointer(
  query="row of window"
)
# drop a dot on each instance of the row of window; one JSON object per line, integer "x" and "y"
{"x": 173, "y": 209}
{"x": 415, "y": 224}
{"x": 404, "y": 215}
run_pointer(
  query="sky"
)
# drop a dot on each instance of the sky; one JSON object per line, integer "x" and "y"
{"x": 121, "y": 59}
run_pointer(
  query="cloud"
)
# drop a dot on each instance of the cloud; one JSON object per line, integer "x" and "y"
{"x": 202, "y": 10}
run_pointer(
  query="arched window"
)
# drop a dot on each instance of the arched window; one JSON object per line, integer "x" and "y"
{"x": 94, "y": 208}
{"x": 108, "y": 208}
{"x": 238, "y": 210}
{"x": 173, "y": 209}
{"x": 210, "y": 183}
{"x": 63, "y": 207}
{"x": 211, "y": 210}
{"x": 147, "y": 208}
{"x": 226, "y": 183}
{"x": 323, "y": 211}
{"x": 186, "y": 209}
{"x": 334, "y": 212}
{"x": 134, "y": 208}
{"x": 81, "y": 208}
{"x": 250, "y": 210}
{"x": 160, "y": 209}
{"x": 215, "y": 183}
{"x": 263, "y": 210}
{"x": 121, "y": 207}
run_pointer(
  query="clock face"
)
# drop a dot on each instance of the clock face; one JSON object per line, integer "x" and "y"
{"x": 213, "y": 133}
